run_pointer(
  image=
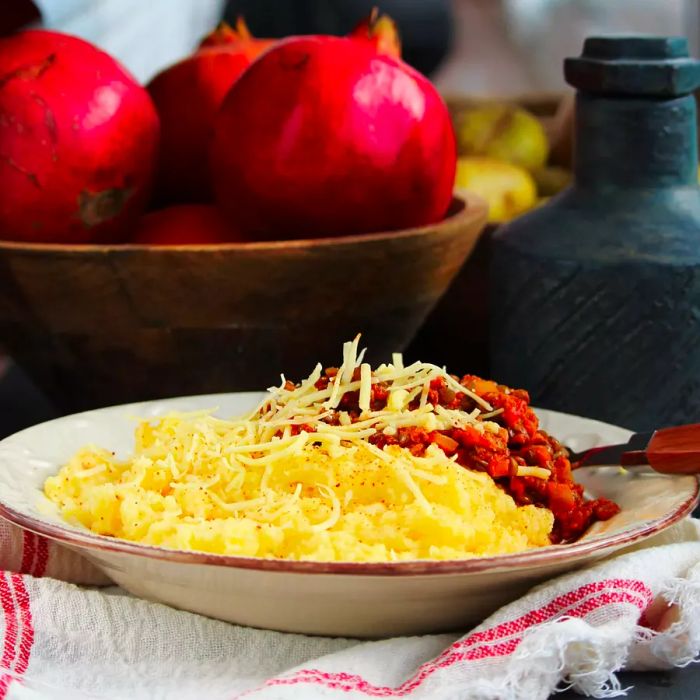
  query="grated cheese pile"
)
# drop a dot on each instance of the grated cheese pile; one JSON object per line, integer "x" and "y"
{"x": 283, "y": 482}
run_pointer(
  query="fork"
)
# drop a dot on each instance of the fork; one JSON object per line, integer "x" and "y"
{"x": 673, "y": 450}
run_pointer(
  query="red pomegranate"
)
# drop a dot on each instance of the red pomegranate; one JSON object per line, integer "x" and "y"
{"x": 185, "y": 224}
{"x": 326, "y": 136}
{"x": 78, "y": 141}
{"x": 187, "y": 96}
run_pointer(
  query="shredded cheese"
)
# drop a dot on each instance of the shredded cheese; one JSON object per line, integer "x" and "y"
{"x": 298, "y": 478}
{"x": 305, "y": 405}
{"x": 537, "y": 472}
{"x": 365, "y": 387}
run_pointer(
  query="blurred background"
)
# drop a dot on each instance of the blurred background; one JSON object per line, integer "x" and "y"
{"x": 468, "y": 47}
{"x": 476, "y": 46}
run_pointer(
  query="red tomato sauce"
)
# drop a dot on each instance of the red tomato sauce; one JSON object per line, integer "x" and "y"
{"x": 517, "y": 442}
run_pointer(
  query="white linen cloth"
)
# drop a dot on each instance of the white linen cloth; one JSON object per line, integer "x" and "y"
{"x": 636, "y": 610}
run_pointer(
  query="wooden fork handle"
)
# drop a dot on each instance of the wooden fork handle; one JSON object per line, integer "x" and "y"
{"x": 675, "y": 450}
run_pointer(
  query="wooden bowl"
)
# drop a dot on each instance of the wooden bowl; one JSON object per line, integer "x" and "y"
{"x": 98, "y": 325}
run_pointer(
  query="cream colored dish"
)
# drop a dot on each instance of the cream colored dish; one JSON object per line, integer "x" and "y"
{"x": 339, "y": 599}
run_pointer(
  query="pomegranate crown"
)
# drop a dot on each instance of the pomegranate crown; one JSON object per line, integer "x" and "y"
{"x": 380, "y": 31}
{"x": 226, "y": 34}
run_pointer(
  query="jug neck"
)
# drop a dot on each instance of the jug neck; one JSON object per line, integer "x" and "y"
{"x": 635, "y": 142}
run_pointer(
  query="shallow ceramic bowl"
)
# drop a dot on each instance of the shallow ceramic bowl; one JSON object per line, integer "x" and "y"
{"x": 353, "y": 600}
{"x": 96, "y": 325}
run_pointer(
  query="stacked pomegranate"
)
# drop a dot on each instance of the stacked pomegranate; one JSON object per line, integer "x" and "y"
{"x": 246, "y": 139}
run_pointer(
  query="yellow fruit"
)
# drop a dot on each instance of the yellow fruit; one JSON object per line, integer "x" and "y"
{"x": 508, "y": 189}
{"x": 505, "y": 132}
{"x": 551, "y": 180}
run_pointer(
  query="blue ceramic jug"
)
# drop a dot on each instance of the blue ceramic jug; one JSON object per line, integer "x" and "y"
{"x": 595, "y": 296}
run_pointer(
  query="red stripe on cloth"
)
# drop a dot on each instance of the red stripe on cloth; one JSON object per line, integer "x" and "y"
{"x": 349, "y": 682}
{"x": 554, "y": 607}
{"x": 489, "y": 643}
{"x": 557, "y": 606}
{"x": 27, "y": 626}
{"x": 9, "y": 652}
{"x": 42, "y": 557}
{"x": 28, "y": 551}
{"x": 607, "y": 598}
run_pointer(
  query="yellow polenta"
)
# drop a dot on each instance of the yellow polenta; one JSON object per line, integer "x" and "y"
{"x": 193, "y": 485}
